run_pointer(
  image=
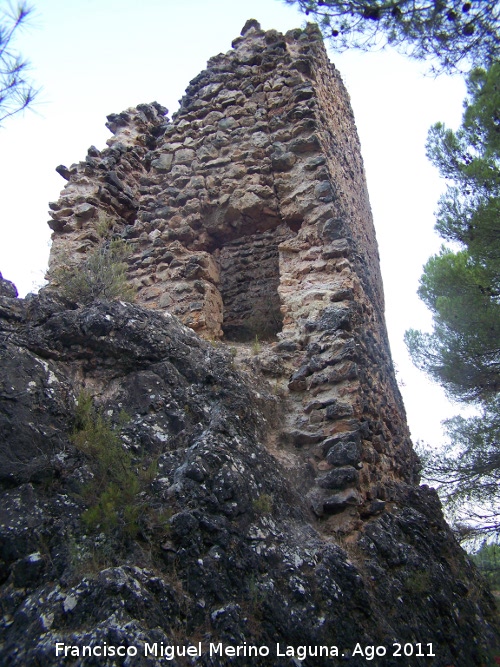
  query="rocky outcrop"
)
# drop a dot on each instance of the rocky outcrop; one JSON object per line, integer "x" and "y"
{"x": 224, "y": 549}
{"x": 227, "y": 460}
{"x": 7, "y": 288}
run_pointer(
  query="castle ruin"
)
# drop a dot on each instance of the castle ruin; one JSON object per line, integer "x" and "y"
{"x": 248, "y": 216}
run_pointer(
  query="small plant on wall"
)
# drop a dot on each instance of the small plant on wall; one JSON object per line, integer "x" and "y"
{"x": 103, "y": 272}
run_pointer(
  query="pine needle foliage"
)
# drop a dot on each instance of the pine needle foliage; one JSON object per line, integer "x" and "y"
{"x": 487, "y": 559}
{"x": 453, "y": 34}
{"x": 467, "y": 472}
{"x": 461, "y": 287}
{"x": 17, "y": 92}
{"x": 461, "y": 284}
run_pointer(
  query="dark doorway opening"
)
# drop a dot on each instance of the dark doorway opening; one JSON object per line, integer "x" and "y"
{"x": 249, "y": 283}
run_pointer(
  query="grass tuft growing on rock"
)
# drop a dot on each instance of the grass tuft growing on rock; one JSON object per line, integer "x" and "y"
{"x": 263, "y": 504}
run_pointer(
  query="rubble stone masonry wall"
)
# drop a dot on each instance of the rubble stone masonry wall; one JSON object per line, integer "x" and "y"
{"x": 248, "y": 216}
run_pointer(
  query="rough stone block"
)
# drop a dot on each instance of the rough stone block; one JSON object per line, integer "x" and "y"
{"x": 184, "y": 156}
{"x": 163, "y": 163}
{"x": 344, "y": 453}
{"x": 339, "y": 478}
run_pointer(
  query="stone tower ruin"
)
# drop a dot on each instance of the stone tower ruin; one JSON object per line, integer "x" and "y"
{"x": 248, "y": 217}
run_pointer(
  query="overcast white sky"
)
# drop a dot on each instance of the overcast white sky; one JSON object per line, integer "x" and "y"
{"x": 95, "y": 57}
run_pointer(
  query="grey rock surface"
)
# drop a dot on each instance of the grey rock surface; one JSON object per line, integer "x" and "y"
{"x": 238, "y": 557}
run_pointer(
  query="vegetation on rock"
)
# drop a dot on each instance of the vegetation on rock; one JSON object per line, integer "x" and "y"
{"x": 116, "y": 493}
{"x": 113, "y": 490}
{"x": 102, "y": 274}
{"x": 226, "y": 550}
{"x": 263, "y": 504}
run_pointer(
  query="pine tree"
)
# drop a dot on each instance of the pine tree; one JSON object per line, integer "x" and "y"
{"x": 461, "y": 287}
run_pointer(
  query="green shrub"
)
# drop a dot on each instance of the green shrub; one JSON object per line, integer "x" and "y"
{"x": 263, "y": 504}
{"x": 102, "y": 274}
{"x": 113, "y": 492}
{"x": 418, "y": 583}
